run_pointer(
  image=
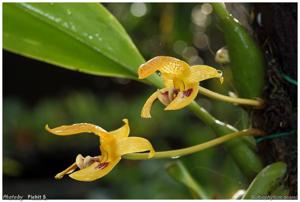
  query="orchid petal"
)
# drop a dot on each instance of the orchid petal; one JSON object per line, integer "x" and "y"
{"x": 133, "y": 145}
{"x": 108, "y": 148}
{"x": 148, "y": 105}
{"x": 179, "y": 84}
{"x": 184, "y": 98}
{"x": 95, "y": 171}
{"x": 76, "y": 129}
{"x": 163, "y": 95}
{"x": 68, "y": 170}
{"x": 203, "y": 72}
{"x": 123, "y": 131}
{"x": 171, "y": 67}
{"x": 168, "y": 83}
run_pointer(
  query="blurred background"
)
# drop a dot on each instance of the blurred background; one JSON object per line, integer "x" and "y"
{"x": 37, "y": 93}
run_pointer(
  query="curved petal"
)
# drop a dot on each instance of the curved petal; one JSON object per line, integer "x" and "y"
{"x": 94, "y": 171}
{"x": 148, "y": 105}
{"x": 165, "y": 95}
{"x": 179, "y": 84}
{"x": 68, "y": 170}
{"x": 123, "y": 131}
{"x": 168, "y": 83}
{"x": 76, "y": 129}
{"x": 170, "y": 66}
{"x": 184, "y": 98}
{"x": 108, "y": 148}
{"x": 133, "y": 145}
{"x": 203, "y": 72}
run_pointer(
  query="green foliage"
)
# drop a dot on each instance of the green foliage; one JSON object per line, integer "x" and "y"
{"x": 246, "y": 59}
{"x": 180, "y": 173}
{"x": 240, "y": 148}
{"x": 266, "y": 181}
{"x": 212, "y": 165}
{"x": 82, "y": 37}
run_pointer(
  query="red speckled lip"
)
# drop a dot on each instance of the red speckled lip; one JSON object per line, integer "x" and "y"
{"x": 101, "y": 166}
{"x": 188, "y": 92}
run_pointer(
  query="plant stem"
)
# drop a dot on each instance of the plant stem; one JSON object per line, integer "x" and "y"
{"x": 190, "y": 150}
{"x": 245, "y": 157}
{"x": 217, "y": 96}
{"x": 180, "y": 173}
{"x": 202, "y": 114}
{"x": 220, "y": 9}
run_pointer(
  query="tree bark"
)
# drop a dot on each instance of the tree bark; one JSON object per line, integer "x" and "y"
{"x": 275, "y": 28}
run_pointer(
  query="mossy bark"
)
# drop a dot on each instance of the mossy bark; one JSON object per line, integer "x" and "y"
{"x": 275, "y": 28}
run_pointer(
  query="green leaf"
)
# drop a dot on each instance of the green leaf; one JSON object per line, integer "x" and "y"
{"x": 266, "y": 181}
{"x": 78, "y": 36}
{"x": 246, "y": 59}
{"x": 179, "y": 173}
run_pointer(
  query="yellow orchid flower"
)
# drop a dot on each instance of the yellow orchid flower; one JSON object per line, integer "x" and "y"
{"x": 113, "y": 145}
{"x": 181, "y": 82}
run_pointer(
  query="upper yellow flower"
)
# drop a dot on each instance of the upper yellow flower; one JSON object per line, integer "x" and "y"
{"x": 113, "y": 145}
{"x": 181, "y": 82}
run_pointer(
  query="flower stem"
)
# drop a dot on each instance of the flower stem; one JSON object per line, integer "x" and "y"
{"x": 190, "y": 150}
{"x": 240, "y": 149}
{"x": 202, "y": 114}
{"x": 217, "y": 96}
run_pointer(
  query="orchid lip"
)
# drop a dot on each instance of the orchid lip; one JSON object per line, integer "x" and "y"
{"x": 188, "y": 92}
{"x": 168, "y": 96}
{"x": 173, "y": 93}
{"x": 101, "y": 166}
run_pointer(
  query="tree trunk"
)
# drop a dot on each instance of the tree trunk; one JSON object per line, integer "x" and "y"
{"x": 276, "y": 32}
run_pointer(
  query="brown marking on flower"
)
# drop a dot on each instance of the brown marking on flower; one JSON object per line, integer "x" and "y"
{"x": 175, "y": 93}
{"x": 101, "y": 166}
{"x": 188, "y": 92}
{"x": 165, "y": 93}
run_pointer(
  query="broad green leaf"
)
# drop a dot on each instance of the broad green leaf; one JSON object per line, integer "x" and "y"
{"x": 78, "y": 36}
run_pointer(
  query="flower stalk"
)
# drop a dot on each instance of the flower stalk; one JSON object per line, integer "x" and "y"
{"x": 240, "y": 101}
{"x": 240, "y": 148}
{"x": 193, "y": 149}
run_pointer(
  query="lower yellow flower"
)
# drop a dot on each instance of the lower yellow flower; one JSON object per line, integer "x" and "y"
{"x": 181, "y": 82}
{"x": 113, "y": 145}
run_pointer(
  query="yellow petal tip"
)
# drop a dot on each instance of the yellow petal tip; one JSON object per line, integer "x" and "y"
{"x": 47, "y": 128}
{"x": 167, "y": 109}
{"x": 148, "y": 116}
{"x": 145, "y": 113}
{"x": 125, "y": 120}
{"x": 141, "y": 77}
{"x": 220, "y": 76}
{"x": 221, "y": 80}
{"x": 143, "y": 71}
{"x": 58, "y": 176}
